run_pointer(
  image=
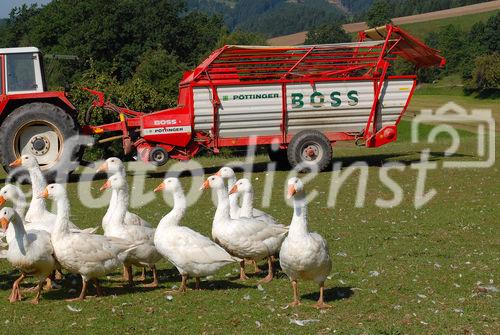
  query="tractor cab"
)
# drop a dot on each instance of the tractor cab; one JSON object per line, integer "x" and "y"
{"x": 21, "y": 71}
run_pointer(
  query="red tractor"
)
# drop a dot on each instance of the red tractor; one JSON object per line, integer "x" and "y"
{"x": 298, "y": 100}
{"x": 32, "y": 119}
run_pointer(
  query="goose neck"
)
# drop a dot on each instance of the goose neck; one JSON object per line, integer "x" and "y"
{"x": 222, "y": 211}
{"x": 247, "y": 204}
{"x": 298, "y": 227}
{"x": 62, "y": 216}
{"x": 174, "y": 217}
{"x": 233, "y": 198}
{"x": 120, "y": 207}
{"x": 20, "y": 206}
{"x": 38, "y": 182}
{"x": 18, "y": 225}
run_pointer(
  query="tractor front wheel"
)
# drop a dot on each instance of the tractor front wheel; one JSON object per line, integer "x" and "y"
{"x": 42, "y": 130}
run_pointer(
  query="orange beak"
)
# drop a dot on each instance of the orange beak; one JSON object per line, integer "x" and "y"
{"x": 106, "y": 185}
{"x": 291, "y": 191}
{"x": 2, "y": 200}
{"x": 218, "y": 173}
{"x": 16, "y": 163}
{"x": 5, "y": 224}
{"x": 160, "y": 187}
{"x": 234, "y": 189}
{"x": 45, "y": 194}
{"x": 102, "y": 168}
{"x": 205, "y": 185}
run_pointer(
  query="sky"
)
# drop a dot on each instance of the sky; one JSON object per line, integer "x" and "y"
{"x": 7, "y": 5}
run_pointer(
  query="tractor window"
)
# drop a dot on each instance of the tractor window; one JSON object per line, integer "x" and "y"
{"x": 21, "y": 73}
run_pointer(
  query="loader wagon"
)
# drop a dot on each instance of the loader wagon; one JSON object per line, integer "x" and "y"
{"x": 295, "y": 100}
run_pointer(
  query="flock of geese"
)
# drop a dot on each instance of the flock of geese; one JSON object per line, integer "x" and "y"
{"x": 41, "y": 243}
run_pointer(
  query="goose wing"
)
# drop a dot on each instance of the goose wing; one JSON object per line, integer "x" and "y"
{"x": 199, "y": 249}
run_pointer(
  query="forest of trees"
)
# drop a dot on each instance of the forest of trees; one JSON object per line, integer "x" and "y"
{"x": 280, "y": 17}
{"x": 271, "y": 17}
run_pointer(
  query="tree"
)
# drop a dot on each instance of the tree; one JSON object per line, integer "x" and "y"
{"x": 485, "y": 76}
{"x": 379, "y": 14}
{"x": 163, "y": 71}
{"x": 327, "y": 33}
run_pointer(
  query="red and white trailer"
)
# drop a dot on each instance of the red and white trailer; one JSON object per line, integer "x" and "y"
{"x": 297, "y": 99}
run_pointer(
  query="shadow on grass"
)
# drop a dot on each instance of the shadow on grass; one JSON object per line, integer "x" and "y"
{"x": 219, "y": 284}
{"x": 7, "y": 279}
{"x": 372, "y": 160}
{"x": 331, "y": 294}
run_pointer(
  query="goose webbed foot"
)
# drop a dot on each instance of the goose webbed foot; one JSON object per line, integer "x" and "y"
{"x": 15, "y": 295}
{"x": 142, "y": 277}
{"x": 243, "y": 275}
{"x": 153, "y": 284}
{"x": 321, "y": 304}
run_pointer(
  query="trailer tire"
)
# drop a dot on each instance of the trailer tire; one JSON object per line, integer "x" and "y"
{"x": 309, "y": 150}
{"x": 158, "y": 156}
{"x": 41, "y": 129}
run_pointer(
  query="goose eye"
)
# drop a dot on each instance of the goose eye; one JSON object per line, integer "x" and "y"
{"x": 169, "y": 181}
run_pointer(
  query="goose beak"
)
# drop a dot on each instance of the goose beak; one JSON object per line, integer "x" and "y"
{"x": 233, "y": 190}
{"x": 2, "y": 200}
{"x": 102, "y": 168}
{"x": 160, "y": 187}
{"x": 5, "y": 224}
{"x": 44, "y": 194}
{"x": 106, "y": 185}
{"x": 16, "y": 163}
{"x": 291, "y": 191}
{"x": 205, "y": 185}
{"x": 218, "y": 173}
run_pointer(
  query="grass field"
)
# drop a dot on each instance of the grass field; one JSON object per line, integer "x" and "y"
{"x": 465, "y": 22}
{"x": 395, "y": 271}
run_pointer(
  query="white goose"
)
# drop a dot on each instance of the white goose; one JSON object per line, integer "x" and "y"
{"x": 89, "y": 255}
{"x": 244, "y": 187}
{"x": 304, "y": 255}
{"x": 13, "y": 194}
{"x": 145, "y": 254}
{"x": 244, "y": 238}
{"x": 30, "y": 251}
{"x": 37, "y": 216}
{"x": 113, "y": 166}
{"x": 234, "y": 208}
{"x": 192, "y": 253}
{"x": 37, "y": 210}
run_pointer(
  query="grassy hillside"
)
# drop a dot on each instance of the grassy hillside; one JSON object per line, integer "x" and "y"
{"x": 421, "y": 29}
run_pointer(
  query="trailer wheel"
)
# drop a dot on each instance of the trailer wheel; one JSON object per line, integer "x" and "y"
{"x": 158, "y": 156}
{"x": 308, "y": 149}
{"x": 40, "y": 129}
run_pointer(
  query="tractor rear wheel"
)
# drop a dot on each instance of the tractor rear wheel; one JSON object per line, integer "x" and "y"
{"x": 42, "y": 130}
{"x": 309, "y": 150}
